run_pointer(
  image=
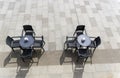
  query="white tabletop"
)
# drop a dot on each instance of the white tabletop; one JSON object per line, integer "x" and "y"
{"x": 26, "y": 43}
{"x": 84, "y": 40}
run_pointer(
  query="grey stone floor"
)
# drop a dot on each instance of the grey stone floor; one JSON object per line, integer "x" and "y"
{"x": 56, "y": 19}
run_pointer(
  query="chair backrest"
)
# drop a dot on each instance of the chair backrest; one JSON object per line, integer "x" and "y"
{"x": 27, "y": 27}
{"x": 80, "y": 28}
{"x": 29, "y": 33}
{"x": 27, "y": 54}
{"x": 97, "y": 41}
{"x": 28, "y": 30}
{"x": 83, "y": 52}
{"x": 9, "y": 40}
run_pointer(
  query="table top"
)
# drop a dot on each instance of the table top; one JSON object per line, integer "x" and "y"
{"x": 84, "y": 40}
{"x": 26, "y": 41}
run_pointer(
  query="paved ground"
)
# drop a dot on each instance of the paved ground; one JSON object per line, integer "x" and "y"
{"x": 56, "y": 19}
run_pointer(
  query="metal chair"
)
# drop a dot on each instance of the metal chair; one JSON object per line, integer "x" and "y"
{"x": 84, "y": 53}
{"x": 28, "y": 30}
{"x": 70, "y": 43}
{"x": 26, "y": 54}
{"x": 80, "y": 29}
{"x": 39, "y": 42}
{"x": 13, "y": 43}
{"x": 95, "y": 43}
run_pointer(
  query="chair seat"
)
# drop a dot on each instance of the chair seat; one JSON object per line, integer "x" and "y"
{"x": 92, "y": 45}
{"x": 26, "y": 53}
{"x": 83, "y": 53}
{"x": 15, "y": 44}
{"x": 38, "y": 44}
{"x": 79, "y": 33}
{"x": 71, "y": 44}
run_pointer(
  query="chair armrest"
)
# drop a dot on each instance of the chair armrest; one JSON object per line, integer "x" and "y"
{"x": 16, "y": 36}
{"x": 31, "y": 32}
{"x": 92, "y": 38}
{"x": 38, "y": 36}
{"x": 41, "y": 38}
{"x": 69, "y": 37}
{"x": 86, "y": 32}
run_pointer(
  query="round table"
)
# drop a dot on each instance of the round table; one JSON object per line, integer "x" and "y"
{"x": 84, "y": 40}
{"x": 26, "y": 41}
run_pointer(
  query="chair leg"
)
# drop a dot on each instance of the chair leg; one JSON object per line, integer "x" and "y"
{"x": 74, "y": 34}
{"x": 93, "y": 51}
{"x": 31, "y": 59}
{"x": 91, "y": 59}
{"x": 13, "y": 50}
{"x": 23, "y": 59}
{"x": 43, "y": 49}
{"x": 64, "y": 47}
{"x": 85, "y": 60}
{"x": 77, "y": 59}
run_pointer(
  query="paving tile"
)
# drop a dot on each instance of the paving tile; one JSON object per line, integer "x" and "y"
{"x": 86, "y": 2}
{"x": 108, "y": 32}
{"x": 118, "y": 17}
{"x": 93, "y": 21}
{"x": 103, "y": 75}
{"x": 98, "y": 6}
{"x": 107, "y": 45}
{"x": 57, "y": 69}
{"x": 101, "y": 68}
{"x": 11, "y": 6}
{"x": 83, "y": 9}
{"x": 109, "y": 18}
{"x": 52, "y": 46}
{"x": 2, "y": 16}
{"x": 94, "y": 10}
{"x": 1, "y": 4}
{"x": 67, "y": 75}
{"x": 87, "y": 75}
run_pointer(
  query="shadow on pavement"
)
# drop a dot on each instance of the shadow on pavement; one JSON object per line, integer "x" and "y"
{"x": 77, "y": 67}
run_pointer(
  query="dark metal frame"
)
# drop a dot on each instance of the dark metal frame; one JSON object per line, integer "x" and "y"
{"x": 40, "y": 41}
{"x": 10, "y": 41}
{"x": 28, "y": 30}
{"x": 70, "y": 43}
{"x": 80, "y": 29}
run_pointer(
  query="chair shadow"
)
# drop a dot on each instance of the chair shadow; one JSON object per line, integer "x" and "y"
{"x": 67, "y": 54}
{"x": 37, "y": 53}
{"x": 11, "y": 55}
{"x": 22, "y": 67}
{"x": 77, "y": 67}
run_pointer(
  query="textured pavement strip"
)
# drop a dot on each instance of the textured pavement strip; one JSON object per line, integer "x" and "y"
{"x": 63, "y": 71}
{"x": 103, "y": 66}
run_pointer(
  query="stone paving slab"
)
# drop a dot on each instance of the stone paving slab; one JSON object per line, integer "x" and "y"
{"x": 56, "y": 19}
{"x": 11, "y": 59}
{"x": 62, "y": 71}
